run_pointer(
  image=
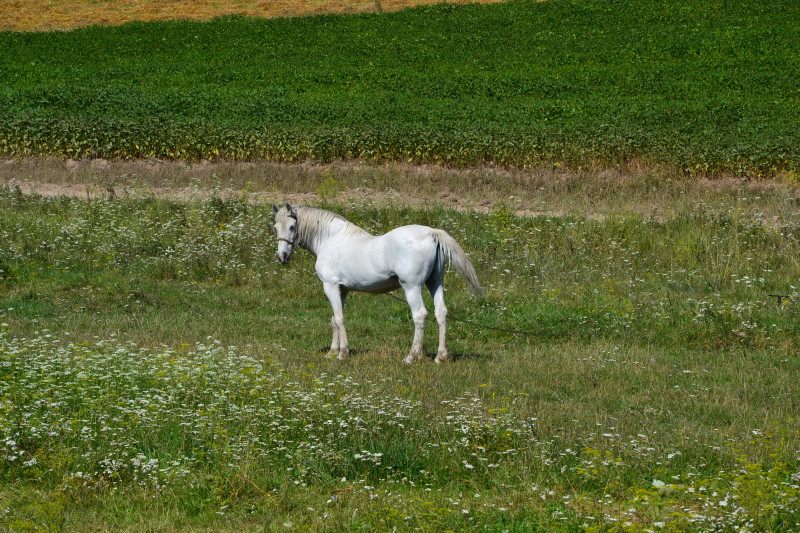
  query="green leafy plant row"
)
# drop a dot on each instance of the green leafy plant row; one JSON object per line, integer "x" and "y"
{"x": 704, "y": 86}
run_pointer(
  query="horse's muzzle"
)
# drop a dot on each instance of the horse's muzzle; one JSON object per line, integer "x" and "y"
{"x": 283, "y": 257}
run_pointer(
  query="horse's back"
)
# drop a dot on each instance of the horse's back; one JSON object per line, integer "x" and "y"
{"x": 412, "y": 252}
{"x": 414, "y": 231}
{"x": 413, "y": 238}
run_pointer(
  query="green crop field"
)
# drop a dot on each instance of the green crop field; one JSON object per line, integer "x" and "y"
{"x": 160, "y": 371}
{"x": 700, "y": 86}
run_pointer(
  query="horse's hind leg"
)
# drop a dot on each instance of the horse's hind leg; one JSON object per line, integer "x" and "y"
{"x": 436, "y": 287}
{"x": 419, "y": 314}
{"x": 337, "y": 298}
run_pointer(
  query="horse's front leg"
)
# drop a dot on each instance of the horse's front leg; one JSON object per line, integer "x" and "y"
{"x": 419, "y": 314}
{"x": 337, "y": 297}
{"x": 335, "y": 338}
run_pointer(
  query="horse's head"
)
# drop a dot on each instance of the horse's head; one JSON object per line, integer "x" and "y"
{"x": 286, "y": 230}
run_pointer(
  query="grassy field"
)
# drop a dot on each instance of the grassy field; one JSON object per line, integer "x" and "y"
{"x": 160, "y": 371}
{"x": 710, "y": 87}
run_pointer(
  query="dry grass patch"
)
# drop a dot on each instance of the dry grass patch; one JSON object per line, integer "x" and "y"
{"x": 47, "y": 15}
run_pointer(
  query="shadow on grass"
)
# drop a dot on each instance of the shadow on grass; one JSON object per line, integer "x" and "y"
{"x": 466, "y": 356}
{"x": 400, "y": 354}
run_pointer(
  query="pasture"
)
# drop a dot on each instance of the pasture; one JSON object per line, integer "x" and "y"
{"x": 161, "y": 371}
{"x": 633, "y": 366}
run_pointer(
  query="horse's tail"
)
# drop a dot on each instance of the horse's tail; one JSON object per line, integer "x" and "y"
{"x": 446, "y": 246}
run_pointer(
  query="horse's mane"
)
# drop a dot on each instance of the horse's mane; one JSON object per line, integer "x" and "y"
{"x": 313, "y": 224}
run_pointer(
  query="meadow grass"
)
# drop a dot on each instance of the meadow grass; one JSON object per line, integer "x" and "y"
{"x": 160, "y": 371}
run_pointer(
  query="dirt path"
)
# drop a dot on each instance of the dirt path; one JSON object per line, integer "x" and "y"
{"x": 586, "y": 193}
{"x": 411, "y": 185}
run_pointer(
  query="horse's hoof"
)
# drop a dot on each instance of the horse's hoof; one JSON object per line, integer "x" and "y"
{"x": 442, "y": 358}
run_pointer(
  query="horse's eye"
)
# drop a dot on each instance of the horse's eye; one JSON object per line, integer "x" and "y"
{"x": 291, "y": 228}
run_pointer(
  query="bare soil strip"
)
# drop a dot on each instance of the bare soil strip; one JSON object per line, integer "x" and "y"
{"x": 593, "y": 193}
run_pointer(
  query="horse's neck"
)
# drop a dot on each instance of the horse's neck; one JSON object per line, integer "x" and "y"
{"x": 316, "y": 226}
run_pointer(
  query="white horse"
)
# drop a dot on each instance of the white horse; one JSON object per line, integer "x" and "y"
{"x": 351, "y": 259}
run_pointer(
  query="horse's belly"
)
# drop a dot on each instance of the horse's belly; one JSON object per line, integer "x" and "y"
{"x": 373, "y": 286}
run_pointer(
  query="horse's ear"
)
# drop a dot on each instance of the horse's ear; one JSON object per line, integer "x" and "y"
{"x": 288, "y": 206}
{"x": 274, "y": 209}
